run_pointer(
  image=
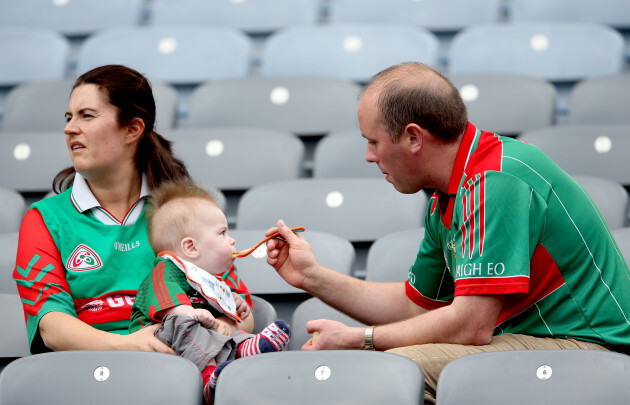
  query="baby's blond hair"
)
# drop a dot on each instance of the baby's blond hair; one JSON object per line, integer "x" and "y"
{"x": 171, "y": 213}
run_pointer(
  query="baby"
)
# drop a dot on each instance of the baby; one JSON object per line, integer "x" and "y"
{"x": 194, "y": 290}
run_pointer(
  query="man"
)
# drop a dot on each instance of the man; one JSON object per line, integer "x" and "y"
{"x": 515, "y": 254}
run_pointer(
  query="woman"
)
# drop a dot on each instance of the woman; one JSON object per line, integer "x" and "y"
{"x": 83, "y": 253}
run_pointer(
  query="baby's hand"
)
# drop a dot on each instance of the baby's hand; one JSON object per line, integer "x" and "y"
{"x": 205, "y": 318}
{"x": 242, "y": 309}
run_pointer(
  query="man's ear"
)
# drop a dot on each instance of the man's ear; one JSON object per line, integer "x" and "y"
{"x": 135, "y": 130}
{"x": 189, "y": 247}
{"x": 414, "y": 137}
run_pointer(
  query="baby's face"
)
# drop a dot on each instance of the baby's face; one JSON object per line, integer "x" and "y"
{"x": 214, "y": 243}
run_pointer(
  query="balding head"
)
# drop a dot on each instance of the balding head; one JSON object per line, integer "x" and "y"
{"x": 415, "y": 93}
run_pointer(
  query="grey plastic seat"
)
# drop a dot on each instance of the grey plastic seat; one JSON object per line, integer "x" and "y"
{"x": 311, "y": 309}
{"x": 445, "y": 15}
{"x": 615, "y": 13}
{"x": 8, "y": 253}
{"x": 322, "y": 377}
{"x": 390, "y": 257}
{"x": 101, "y": 377}
{"x": 14, "y": 342}
{"x": 622, "y": 237}
{"x": 559, "y": 377}
{"x": 357, "y": 209}
{"x": 71, "y": 18}
{"x": 610, "y": 197}
{"x": 13, "y": 209}
{"x": 591, "y": 150}
{"x": 331, "y": 251}
{"x": 178, "y": 55}
{"x": 507, "y": 104}
{"x": 264, "y": 313}
{"x": 346, "y": 51}
{"x": 238, "y": 158}
{"x": 555, "y": 51}
{"x": 252, "y": 17}
{"x": 600, "y": 100}
{"x": 32, "y": 159}
{"x": 342, "y": 154}
{"x": 301, "y": 105}
{"x": 31, "y": 53}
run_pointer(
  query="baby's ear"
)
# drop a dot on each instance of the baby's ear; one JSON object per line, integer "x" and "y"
{"x": 189, "y": 247}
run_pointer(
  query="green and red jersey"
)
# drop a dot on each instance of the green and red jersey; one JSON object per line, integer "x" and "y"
{"x": 166, "y": 287}
{"x": 513, "y": 223}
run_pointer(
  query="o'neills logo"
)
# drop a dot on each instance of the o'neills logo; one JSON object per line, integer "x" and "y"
{"x": 83, "y": 258}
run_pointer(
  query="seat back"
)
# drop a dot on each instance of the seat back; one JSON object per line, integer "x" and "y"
{"x": 300, "y": 105}
{"x": 390, "y": 257}
{"x": 331, "y": 251}
{"x": 591, "y": 150}
{"x": 26, "y": 50}
{"x": 615, "y": 13}
{"x": 14, "y": 342}
{"x": 13, "y": 209}
{"x": 536, "y": 376}
{"x": 8, "y": 253}
{"x": 610, "y": 197}
{"x": 321, "y": 377}
{"x": 357, "y": 209}
{"x": 491, "y": 104}
{"x": 622, "y": 237}
{"x": 264, "y": 313}
{"x": 342, "y": 154}
{"x": 101, "y": 377}
{"x": 179, "y": 55}
{"x": 600, "y": 100}
{"x": 556, "y": 51}
{"x": 347, "y": 51}
{"x": 310, "y": 309}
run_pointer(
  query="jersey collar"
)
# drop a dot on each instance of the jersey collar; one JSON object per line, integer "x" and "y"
{"x": 466, "y": 149}
{"x": 84, "y": 201}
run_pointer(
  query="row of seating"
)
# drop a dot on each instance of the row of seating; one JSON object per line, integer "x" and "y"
{"x": 189, "y": 54}
{"x": 255, "y": 17}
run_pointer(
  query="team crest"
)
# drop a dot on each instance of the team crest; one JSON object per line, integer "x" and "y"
{"x": 83, "y": 258}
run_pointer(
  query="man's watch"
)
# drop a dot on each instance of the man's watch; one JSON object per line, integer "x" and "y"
{"x": 369, "y": 334}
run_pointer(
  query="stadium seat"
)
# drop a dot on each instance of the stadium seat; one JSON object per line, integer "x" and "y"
{"x": 615, "y": 13}
{"x": 331, "y": 251}
{"x": 342, "y": 154}
{"x": 347, "y": 51}
{"x": 13, "y": 209}
{"x": 536, "y": 377}
{"x": 357, "y": 209}
{"x": 310, "y": 309}
{"x": 435, "y": 15}
{"x": 178, "y": 55}
{"x": 166, "y": 106}
{"x": 101, "y": 377}
{"x": 30, "y": 53}
{"x": 390, "y": 257}
{"x": 238, "y": 158}
{"x": 507, "y": 104}
{"x": 600, "y": 100}
{"x": 591, "y": 150}
{"x": 30, "y": 160}
{"x": 264, "y": 313}
{"x": 321, "y": 377}
{"x": 71, "y": 18}
{"x": 8, "y": 252}
{"x": 300, "y": 105}
{"x": 14, "y": 341}
{"x": 555, "y": 51}
{"x": 622, "y": 237}
{"x": 252, "y": 17}
{"x": 610, "y": 197}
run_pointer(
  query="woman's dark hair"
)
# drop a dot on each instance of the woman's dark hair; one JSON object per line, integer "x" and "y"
{"x": 130, "y": 94}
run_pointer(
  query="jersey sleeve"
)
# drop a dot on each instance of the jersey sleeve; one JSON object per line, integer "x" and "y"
{"x": 430, "y": 284}
{"x": 233, "y": 280}
{"x": 497, "y": 214}
{"x": 40, "y": 276}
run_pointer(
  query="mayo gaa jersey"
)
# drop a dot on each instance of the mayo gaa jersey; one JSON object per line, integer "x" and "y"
{"x": 73, "y": 262}
{"x": 513, "y": 223}
{"x": 166, "y": 286}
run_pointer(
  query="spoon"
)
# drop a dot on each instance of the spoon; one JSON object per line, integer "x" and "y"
{"x": 247, "y": 252}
